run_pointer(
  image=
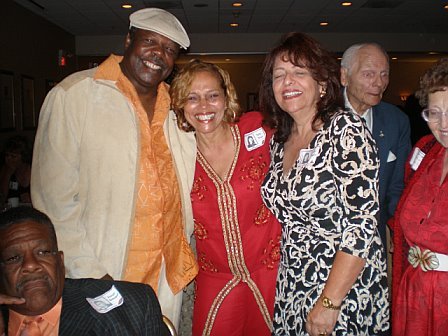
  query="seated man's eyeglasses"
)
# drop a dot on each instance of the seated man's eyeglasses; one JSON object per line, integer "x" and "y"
{"x": 433, "y": 115}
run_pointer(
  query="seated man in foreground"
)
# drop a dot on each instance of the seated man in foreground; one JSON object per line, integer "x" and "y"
{"x": 37, "y": 295}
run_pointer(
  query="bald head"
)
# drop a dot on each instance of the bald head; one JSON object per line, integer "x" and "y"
{"x": 351, "y": 53}
{"x": 365, "y": 75}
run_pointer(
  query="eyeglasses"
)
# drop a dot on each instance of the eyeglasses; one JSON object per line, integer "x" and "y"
{"x": 433, "y": 115}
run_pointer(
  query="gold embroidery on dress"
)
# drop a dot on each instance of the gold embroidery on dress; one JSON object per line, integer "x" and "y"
{"x": 200, "y": 231}
{"x": 262, "y": 216}
{"x": 272, "y": 253}
{"x": 232, "y": 238}
{"x": 198, "y": 188}
{"x": 206, "y": 265}
{"x": 254, "y": 172}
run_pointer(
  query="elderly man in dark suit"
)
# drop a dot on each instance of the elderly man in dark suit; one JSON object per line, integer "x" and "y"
{"x": 40, "y": 301}
{"x": 365, "y": 77}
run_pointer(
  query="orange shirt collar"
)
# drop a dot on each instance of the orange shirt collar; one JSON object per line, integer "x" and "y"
{"x": 16, "y": 320}
{"x": 110, "y": 70}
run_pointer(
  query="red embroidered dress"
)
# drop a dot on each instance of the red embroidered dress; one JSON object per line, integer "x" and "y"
{"x": 420, "y": 304}
{"x": 237, "y": 241}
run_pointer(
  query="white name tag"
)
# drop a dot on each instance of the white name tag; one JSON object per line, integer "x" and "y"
{"x": 107, "y": 301}
{"x": 416, "y": 158}
{"x": 305, "y": 155}
{"x": 254, "y": 139}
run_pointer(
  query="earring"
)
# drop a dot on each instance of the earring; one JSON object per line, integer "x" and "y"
{"x": 186, "y": 126}
{"x": 323, "y": 93}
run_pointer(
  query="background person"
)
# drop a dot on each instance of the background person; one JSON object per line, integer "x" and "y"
{"x": 365, "y": 77}
{"x": 15, "y": 173}
{"x": 322, "y": 185}
{"x": 237, "y": 238}
{"x": 112, "y": 170}
{"x": 420, "y": 278}
{"x": 39, "y": 299}
{"x": 413, "y": 110}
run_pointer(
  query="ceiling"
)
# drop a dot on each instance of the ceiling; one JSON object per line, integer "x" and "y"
{"x": 106, "y": 17}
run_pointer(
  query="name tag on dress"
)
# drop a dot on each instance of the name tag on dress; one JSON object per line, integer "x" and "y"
{"x": 254, "y": 139}
{"x": 416, "y": 158}
{"x": 305, "y": 156}
{"x": 107, "y": 301}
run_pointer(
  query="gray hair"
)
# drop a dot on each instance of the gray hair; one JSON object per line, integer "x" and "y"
{"x": 350, "y": 54}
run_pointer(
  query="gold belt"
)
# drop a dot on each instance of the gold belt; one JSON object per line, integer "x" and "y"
{"x": 427, "y": 260}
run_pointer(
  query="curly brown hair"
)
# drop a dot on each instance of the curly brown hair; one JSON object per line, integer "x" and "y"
{"x": 180, "y": 88}
{"x": 302, "y": 51}
{"x": 433, "y": 80}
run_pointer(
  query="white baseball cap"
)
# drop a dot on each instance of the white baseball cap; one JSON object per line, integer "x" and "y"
{"x": 161, "y": 22}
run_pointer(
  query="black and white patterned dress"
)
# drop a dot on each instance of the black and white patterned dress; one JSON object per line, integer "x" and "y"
{"x": 328, "y": 202}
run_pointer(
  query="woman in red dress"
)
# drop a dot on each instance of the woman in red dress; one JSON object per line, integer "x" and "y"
{"x": 237, "y": 238}
{"x": 420, "y": 291}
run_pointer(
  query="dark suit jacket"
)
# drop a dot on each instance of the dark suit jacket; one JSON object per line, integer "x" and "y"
{"x": 138, "y": 315}
{"x": 392, "y": 134}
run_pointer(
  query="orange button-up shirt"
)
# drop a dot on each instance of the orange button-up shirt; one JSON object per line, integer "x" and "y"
{"x": 158, "y": 225}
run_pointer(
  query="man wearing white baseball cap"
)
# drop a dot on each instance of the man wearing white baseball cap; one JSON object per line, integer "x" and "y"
{"x": 112, "y": 170}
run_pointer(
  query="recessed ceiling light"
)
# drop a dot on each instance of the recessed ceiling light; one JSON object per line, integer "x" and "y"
{"x": 346, "y": 3}
{"x": 446, "y": 6}
{"x": 126, "y": 6}
{"x": 237, "y": 4}
{"x": 323, "y": 23}
{"x": 234, "y": 25}
{"x": 433, "y": 53}
{"x": 394, "y": 58}
{"x": 227, "y": 59}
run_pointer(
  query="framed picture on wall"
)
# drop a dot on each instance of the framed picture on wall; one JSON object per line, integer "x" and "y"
{"x": 28, "y": 108}
{"x": 7, "y": 113}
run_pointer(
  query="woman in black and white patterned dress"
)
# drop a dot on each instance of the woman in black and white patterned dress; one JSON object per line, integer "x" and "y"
{"x": 323, "y": 187}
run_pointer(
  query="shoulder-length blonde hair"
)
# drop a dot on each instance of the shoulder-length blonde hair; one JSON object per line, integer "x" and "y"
{"x": 180, "y": 89}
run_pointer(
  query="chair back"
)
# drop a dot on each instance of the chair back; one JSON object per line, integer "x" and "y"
{"x": 169, "y": 325}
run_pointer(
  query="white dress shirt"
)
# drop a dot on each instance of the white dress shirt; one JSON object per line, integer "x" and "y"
{"x": 367, "y": 115}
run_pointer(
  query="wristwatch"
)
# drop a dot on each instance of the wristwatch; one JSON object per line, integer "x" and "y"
{"x": 326, "y": 302}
